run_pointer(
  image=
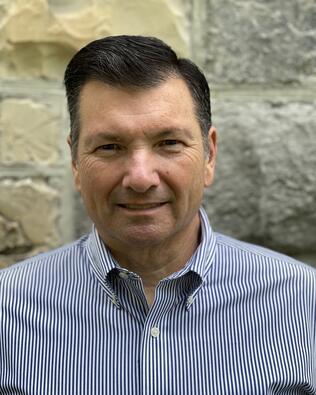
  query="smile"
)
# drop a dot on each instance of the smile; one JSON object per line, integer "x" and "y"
{"x": 146, "y": 206}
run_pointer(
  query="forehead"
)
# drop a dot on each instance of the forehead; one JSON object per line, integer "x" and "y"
{"x": 101, "y": 104}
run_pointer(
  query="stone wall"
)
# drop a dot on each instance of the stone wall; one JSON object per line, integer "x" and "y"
{"x": 38, "y": 207}
{"x": 260, "y": 60}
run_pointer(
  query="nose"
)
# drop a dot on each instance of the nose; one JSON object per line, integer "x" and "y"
{"x": 141, "y": 172}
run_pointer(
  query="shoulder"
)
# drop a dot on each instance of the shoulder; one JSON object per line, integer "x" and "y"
{"x": 228, "y": 245}
{"x": 47, "y": 266}
{"x": 262, "y": 265}
{"x": 268, "y": 283}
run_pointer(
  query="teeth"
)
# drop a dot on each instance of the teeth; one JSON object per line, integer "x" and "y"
{"x": 141, "y": 206}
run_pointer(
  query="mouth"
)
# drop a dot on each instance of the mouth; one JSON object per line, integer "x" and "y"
{"x": 144, "y": 206}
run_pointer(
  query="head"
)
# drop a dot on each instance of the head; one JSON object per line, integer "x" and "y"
{"x": 142, "y": 144}
{"x": 133, "y": 62}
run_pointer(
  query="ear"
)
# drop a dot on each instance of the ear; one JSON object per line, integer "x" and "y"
{"x": 74, "y": 166}
{"x": 211, "y": 157}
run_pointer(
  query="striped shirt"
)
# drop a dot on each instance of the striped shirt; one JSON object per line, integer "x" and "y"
{"x": 237, "y": 319}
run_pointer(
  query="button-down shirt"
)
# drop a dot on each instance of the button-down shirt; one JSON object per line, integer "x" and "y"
{"x": 237, "y": 319}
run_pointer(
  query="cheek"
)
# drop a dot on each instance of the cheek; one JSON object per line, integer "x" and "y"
{"x": 91, "y": 177}
{"x": 185, "y": 181}
{"x": 102, "y": 182}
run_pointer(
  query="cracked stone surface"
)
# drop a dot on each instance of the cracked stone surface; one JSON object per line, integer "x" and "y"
{"x": 265, "y": 188}
{"x": 30, "y": 132}
{"x": 260, "y": 41}
{"x": 11, "y": 235}
{"x": 38, "y": 37}
{"x": 33, "y": 205}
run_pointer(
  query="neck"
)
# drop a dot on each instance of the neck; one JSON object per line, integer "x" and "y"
{"x": 156, "y": 262}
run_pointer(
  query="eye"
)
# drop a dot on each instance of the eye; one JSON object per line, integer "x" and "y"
{"x": 171, "y": 144}
{"x": 109, "y": 150}
{"x": 109, "y": 147}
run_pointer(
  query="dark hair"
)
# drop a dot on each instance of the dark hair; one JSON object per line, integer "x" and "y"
{"x": 134, "y": 61}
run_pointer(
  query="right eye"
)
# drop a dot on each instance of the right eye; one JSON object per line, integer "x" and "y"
{"x": 109, "y": 147}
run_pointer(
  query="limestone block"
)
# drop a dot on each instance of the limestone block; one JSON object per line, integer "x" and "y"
{"x": 34, "y": 206}
{"x": 261, "y": 41}
{"x": 11, "y": 235}
{"x": 161, "y": 18}
{"x": 3, "y": 10}
{"x": 265, "y": 188}
{"x": 39, "y": 36}
{"x": 29, "y": 132}
{"x": 32, "y": 60}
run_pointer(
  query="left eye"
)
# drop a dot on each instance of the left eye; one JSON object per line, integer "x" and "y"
{"x": 170, "y": 142}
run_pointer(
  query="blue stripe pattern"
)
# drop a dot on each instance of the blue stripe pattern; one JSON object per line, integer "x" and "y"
{"x": 237, "y": 319}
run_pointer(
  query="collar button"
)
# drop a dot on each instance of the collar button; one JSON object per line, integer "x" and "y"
{"x": 123, "y": 275}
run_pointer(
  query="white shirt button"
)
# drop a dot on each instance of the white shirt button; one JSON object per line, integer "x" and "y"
{"x": 123, "y": 275}
{"x": 155, "y": 332}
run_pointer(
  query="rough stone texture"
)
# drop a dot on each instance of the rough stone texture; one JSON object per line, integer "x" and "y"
{"x": 30, "y": 132}
{"x": 260, "y": 60}
{"x": 260, "y": 41}
{"x": 265, "y": 188}
{"x": 13, "y": 243}
{"x": 30, "y": 209}
{"x": 11, "y": 236}
{"x": 38, "y": 36}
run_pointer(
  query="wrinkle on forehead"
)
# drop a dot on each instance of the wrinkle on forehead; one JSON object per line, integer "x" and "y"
{"x": 148, "y": 99}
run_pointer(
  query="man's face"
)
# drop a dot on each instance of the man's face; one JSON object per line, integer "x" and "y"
{"x": 141, "y": 168}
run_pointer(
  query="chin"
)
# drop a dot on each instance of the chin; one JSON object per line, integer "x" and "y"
{"x": 144, "y": 238}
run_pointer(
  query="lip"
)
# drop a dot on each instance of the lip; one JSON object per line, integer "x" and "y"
{"x": 141, "y": 206}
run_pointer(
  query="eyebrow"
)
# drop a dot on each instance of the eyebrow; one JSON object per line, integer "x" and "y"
{"x": 172, "y": 131}
{"x": 92, "y": 138}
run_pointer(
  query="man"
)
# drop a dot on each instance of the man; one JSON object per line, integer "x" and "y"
{"x": 152, "y": 301}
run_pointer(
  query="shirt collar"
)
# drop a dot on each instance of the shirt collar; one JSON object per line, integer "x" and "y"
{"x": 103, "y": 263}
{"x": 200, "y": 262}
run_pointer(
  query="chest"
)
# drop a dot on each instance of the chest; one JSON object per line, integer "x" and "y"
{"x": 208, "y": 345}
